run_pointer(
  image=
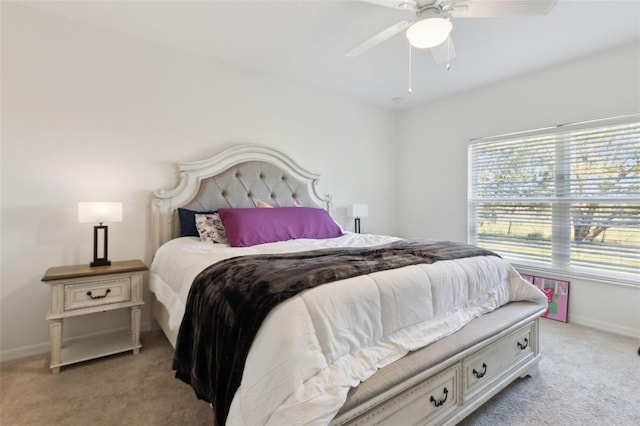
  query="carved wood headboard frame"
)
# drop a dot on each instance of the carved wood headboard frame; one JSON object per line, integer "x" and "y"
{"x": 236, "y": 177}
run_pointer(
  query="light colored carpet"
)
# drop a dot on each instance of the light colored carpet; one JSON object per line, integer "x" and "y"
{"x": 121, "y": 389}
{"x": 587, "y": 377}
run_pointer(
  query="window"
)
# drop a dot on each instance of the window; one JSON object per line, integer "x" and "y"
{"x": 565, "y": 198}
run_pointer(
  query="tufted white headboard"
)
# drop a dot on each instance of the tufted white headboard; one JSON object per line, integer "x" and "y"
{"x": 237, "y": 177}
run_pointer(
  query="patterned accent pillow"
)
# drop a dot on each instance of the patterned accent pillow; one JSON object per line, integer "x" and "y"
{"x": 210, "y": 228}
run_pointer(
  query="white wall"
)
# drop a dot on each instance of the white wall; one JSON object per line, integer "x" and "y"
{"x": 91, "y": 115}
{"x": 433, "y": 154}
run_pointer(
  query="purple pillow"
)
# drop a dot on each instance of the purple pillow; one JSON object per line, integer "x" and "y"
{"x": 251, "y": 226}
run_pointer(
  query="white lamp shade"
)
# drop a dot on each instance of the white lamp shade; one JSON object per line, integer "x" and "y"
{"x": 359, "y": 210}
{"x": 429, "y": 32}
{"x": 99, "y": 212}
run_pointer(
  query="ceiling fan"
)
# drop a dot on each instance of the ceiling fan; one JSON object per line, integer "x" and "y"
{"x": 431, "y": 26}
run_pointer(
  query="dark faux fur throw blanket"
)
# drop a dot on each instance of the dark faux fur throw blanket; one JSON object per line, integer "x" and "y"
{"x": 229, "y": 300}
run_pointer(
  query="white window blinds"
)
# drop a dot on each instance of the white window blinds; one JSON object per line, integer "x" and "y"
{"x": 566, "y": 197}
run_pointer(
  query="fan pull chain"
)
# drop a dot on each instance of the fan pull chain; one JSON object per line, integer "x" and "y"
{"x": 448, "y": 53}
{"x": 409, "y": 91}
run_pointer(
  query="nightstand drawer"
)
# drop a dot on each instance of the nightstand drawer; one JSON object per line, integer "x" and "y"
{"x": 96, "y": 293}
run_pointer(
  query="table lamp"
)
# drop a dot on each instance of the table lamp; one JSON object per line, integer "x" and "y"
{"x": 100, "y": 212}
{"x": 357, "y": 211}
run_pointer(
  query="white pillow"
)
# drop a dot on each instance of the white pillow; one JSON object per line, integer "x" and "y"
{"x": 210, "y": 228}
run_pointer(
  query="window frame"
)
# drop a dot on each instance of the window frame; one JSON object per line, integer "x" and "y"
{"x": 561, "y": 240}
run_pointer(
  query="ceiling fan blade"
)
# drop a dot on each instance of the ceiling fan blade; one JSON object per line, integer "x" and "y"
{"x": 496, "y": 8}
{"x": 379, "y": 38}
{"x": 395, "y": 4}
{"x": 444, "y": 52}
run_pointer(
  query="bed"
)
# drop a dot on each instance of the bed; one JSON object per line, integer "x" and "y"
{"x": 406, "y": 343}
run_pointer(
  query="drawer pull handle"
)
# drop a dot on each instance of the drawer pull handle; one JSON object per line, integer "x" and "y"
{"x": 107, "y": 291}
{"x": 442, "y": 401}
{"x": 478, "y": 374}
{"x": 524, "y": 345}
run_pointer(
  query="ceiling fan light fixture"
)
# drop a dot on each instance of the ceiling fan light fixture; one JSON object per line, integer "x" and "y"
{"x": 429, "y": 32}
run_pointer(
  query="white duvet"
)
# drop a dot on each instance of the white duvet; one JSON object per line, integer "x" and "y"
{"x": 314, "y": 347}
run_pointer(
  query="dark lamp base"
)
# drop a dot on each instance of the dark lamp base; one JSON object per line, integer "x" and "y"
{"x": 100, "y": 262}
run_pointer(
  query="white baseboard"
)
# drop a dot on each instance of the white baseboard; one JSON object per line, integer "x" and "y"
{"x": 24, "y": 352}
{"x": 41, "y": 348}
{"x": 605, "y": 326}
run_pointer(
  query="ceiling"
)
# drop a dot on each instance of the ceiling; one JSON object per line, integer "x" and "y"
{"x": 305, "y": 41}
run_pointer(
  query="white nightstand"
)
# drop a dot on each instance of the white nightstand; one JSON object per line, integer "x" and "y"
{"x": 81, "y": 290}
